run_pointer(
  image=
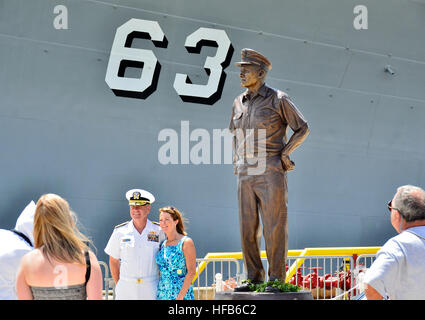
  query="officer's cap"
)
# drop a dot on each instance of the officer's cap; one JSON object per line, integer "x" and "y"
{"x": 252, "y": 57}
{"x": 139, "y": 197}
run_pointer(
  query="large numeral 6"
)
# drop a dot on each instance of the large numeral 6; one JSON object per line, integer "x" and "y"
{"x": 123, "y": 56}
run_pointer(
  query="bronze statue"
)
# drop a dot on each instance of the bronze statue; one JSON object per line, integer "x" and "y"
{"x": 260, "y": 118}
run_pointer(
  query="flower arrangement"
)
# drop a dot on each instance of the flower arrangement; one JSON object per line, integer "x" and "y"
{"x": 282, "y": 286}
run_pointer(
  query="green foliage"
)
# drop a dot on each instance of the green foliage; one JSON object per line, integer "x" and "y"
{"x": 282, "y": 286}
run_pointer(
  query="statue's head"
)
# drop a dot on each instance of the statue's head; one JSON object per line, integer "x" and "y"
{"x": 254, "y": 67}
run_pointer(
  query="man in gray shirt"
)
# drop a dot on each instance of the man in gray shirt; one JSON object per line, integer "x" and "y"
{"x": 399, "y": 269}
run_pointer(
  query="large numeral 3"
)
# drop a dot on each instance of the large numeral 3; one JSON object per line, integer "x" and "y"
{"x": 214, "y": 66}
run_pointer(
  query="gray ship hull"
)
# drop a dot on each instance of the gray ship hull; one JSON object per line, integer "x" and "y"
{"x": 64, "y": 130}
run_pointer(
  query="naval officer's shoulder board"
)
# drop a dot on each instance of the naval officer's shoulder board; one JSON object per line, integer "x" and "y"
{"x": 121, "y": 225}
{"x": 154, "y": 222}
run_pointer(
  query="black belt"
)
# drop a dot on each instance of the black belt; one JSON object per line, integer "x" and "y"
{"x": 22, "y": 236}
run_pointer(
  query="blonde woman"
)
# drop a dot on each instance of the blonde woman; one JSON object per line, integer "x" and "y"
{"x": 61, "y": 267}
{"x": 176, "y": 258}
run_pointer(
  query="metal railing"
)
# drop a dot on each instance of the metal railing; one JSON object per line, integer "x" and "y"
{"x": 312, "y": 265}
{"x": 333, "y": 271}
{"x": 207, "y": 269}
{"x": 364, "y": 261}
{"x": 325, "y": 276}
{"x": 310, "y": 274}
{"x": 334, "y": 251}
{"x": 232, "y": 255}
{"x": 108, "y": 282}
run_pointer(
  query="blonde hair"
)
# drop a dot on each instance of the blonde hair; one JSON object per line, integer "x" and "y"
{"x": 56, "y": 232}
{"x": 176, "y": 215}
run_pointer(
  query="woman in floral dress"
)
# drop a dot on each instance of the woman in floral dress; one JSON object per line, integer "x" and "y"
{"x": 176, "y": 258}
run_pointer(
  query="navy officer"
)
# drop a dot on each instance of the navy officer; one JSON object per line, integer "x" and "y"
{"x": 132, "y": 249}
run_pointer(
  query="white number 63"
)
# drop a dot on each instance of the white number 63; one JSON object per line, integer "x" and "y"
{"x": 122, "y": 56}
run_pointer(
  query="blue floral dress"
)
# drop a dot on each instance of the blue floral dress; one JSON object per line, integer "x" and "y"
{"x": 172, "y": 265}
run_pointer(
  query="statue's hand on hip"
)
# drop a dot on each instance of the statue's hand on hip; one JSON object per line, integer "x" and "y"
{"x": 287, "y": 163}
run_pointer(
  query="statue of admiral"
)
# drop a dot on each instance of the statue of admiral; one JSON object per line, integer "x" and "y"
{"x": 260, "y": 118}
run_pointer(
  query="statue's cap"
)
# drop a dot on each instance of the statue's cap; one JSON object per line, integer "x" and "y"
{"x": 252, "y": 57}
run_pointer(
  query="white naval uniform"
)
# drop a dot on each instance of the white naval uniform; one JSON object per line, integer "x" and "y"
{"x": 12, "y": 249}
{"x": 139, "y": 274}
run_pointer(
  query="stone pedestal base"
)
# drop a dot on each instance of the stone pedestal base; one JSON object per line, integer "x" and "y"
{"x": 300, "y": 295}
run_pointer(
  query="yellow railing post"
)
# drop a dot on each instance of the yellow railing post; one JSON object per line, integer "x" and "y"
{"x": 298, "y": 263}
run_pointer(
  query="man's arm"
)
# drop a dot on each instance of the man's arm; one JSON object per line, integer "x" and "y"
{"x": 298, "y": 125}
{"x": 114, "y": 265}
{"x": 381, "y": 279}
{"x": 296, "y": 139}
{"x": 371, "y": 293}
{"x": 232, "y": 130}
{"x": 234, "y": 155}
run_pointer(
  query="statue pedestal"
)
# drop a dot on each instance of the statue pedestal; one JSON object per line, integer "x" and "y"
{"x": 300, "y": 295}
